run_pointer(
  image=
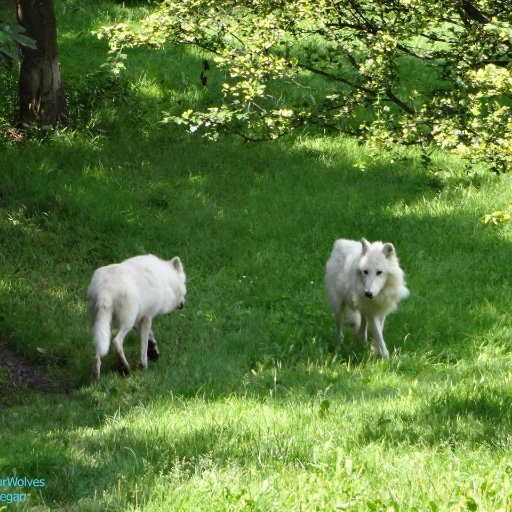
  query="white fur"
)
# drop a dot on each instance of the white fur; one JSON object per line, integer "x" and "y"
{"x": 364, "y": 280}
{"x": 130, "y": 294}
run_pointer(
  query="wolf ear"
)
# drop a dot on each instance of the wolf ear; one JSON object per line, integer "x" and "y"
{"x": 388, "y": 250}
{"x": 366, "y": 245}
{"x": 176, "y": 263}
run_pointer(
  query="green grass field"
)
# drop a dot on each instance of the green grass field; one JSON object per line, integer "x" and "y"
{"x": 252, "y": 406}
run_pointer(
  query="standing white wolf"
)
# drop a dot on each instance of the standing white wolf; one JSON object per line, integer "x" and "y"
{"x": 365, "y": 280}
{"x": 130, "y": 294}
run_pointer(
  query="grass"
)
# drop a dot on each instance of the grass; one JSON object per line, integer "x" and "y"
{"x": 252, "y": 405}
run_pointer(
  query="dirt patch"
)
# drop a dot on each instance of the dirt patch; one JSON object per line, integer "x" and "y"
{"x": 23, "y": 373}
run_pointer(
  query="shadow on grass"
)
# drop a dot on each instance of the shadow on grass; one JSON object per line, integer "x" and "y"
{"x": 478, "y": 418}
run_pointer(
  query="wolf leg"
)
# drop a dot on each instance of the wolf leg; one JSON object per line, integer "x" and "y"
{"x": 363, "y": 329}
{"x": 153, "y": 350}
{"x": 144, "y": 330}
{"x": 354, "y": 318}
{"x": 378, "y": 345}
{"x": 339, "y": 331}
{"x": 117, "y": 343}
{"x": 96, "y": 366}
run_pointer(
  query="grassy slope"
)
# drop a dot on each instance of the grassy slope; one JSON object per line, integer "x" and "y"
{"x": 251, "y": 407}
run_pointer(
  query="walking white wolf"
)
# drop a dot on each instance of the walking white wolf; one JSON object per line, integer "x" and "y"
{"x": 130, "y": 294}
{"x": 365, "y": 280}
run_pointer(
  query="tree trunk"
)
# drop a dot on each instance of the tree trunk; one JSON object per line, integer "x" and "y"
{"x": 41, "y": 93}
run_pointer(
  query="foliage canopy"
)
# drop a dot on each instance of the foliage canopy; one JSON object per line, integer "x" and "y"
{"x": 406, "y": 71}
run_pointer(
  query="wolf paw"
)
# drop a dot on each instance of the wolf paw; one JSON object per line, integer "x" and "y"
{"x": 376, "y": 351}
{"x": 124, "y": 369}
{"x": 153, "y": 352}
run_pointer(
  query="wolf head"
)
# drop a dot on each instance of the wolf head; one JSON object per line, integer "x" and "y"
{"x": 181, "y": 289}
{"x": 378, "y": 260}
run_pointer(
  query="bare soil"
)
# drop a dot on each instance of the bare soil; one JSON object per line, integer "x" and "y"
{"x": 23, "y": 373}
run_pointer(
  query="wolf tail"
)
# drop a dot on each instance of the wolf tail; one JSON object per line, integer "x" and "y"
{"x": 101, "y": 316}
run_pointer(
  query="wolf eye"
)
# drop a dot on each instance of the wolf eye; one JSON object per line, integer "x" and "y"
{"x": 379, "y": 272}
{"x": 365, "y": 272}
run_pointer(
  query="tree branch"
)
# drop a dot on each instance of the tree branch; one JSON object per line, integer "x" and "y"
{"x": 337, "y": 78}
{"x": 397, "y": 101}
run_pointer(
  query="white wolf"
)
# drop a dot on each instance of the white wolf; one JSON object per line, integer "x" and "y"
{"x": 365, "y": 280}
{"x": 130, "y": 294}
